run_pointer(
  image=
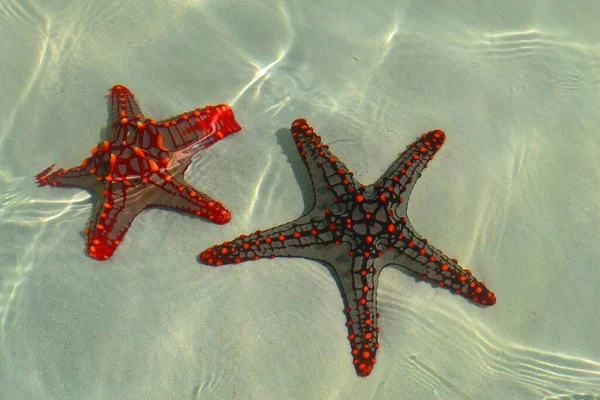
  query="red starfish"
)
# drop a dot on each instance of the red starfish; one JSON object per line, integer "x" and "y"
{"x": 142, "y": 165}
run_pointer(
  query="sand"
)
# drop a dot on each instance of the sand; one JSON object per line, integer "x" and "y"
{"x": 513, "y": 194}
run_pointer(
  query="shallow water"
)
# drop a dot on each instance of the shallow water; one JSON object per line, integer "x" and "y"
{"x": 514, "y": 194}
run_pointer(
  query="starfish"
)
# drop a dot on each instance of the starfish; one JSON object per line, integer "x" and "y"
{"x": 357, "y": 231}
{"x": 141, "y": 165}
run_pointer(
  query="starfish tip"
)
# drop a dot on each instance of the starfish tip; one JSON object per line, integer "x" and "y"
{"x": 100, "y": 252}
{"x": 223, "y": 218}
{"x": 491, "y": 300}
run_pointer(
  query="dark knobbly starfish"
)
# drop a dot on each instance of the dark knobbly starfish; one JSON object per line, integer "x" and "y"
{"x": 143, "y": 164}
{"x": 358, "y": 230}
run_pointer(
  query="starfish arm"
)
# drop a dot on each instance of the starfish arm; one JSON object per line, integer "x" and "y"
{"x": 306, "y": 238}
{"x": 330, "y": 177}
{"x": 359, "y": 291}
{"x": 112, "y": 218}
{"x": 415, "y": 254}
{"x": 183, "y": 197}
{"x": 124, "y": 111}
{"x": 401, "y": 177}
{"x": 199, "y": 128}
{"x": 73, "y": 177}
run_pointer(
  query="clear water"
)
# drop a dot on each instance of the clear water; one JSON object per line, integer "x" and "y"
{"x": 514, "y": 194}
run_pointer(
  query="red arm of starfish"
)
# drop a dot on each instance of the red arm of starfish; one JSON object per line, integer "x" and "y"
{"x": 124, "y": 111}
{"x": 183, "y": 197}
{"x": 330, "y": 176}
{"x": 112, "y": 218}
{"x": 202, "y": 127}
{"x": 76, "y": 177}
{"x": 207, "y": 125}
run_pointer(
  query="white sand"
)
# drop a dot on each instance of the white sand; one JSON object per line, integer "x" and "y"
{"x": 514, "y": 194}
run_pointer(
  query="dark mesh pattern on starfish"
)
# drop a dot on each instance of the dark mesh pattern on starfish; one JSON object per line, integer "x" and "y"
{"x": 142, "y": 165}
{"x": 358, "y": 230}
